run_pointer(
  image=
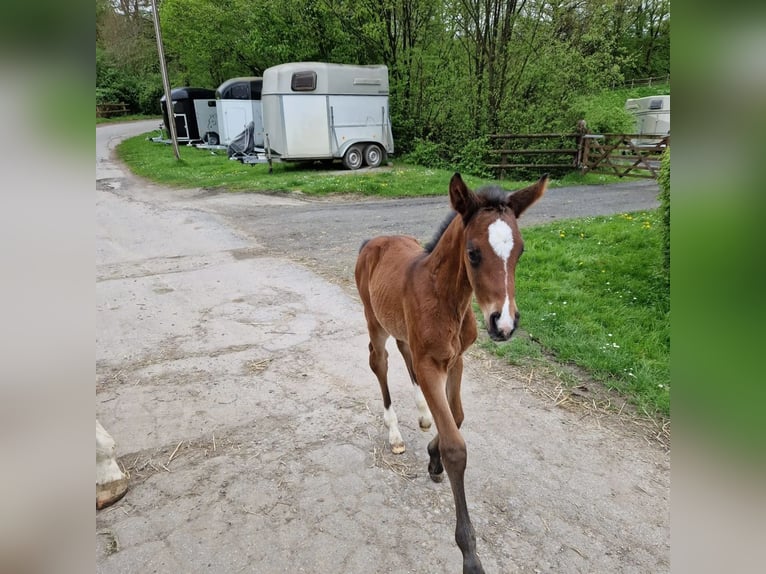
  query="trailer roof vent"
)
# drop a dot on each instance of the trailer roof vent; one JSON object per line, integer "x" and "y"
{"x": 655, "y": 104}
{"x": 304, "y": 82}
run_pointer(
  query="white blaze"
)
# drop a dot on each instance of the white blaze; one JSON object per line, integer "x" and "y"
{"x": 501, "y": 240}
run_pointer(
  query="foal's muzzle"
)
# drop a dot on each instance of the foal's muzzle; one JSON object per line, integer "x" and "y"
{"x": 497, "y": 333}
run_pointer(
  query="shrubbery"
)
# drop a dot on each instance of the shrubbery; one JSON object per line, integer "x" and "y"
{"x": 664, "y": 182}
{"x": 427, "y": 154}
{"x": 471, "y": 158}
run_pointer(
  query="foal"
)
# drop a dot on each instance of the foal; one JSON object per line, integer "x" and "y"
{"x": 422, "y": 298}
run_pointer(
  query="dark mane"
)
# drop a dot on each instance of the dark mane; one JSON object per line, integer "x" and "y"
{"x": 431, "y": 245}
{"x": 490, "y": 197}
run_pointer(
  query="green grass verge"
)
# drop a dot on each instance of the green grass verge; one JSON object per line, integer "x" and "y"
{"x": 592, "y": 293}
{"x": 200, "y": 168}
{"x": 128, "y": 118}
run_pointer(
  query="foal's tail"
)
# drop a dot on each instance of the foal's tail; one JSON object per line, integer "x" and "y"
{"x": 365, "y": 242}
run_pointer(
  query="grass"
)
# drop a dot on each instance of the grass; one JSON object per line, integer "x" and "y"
{"x": 592, "y": 293}
{"x": 201, "y": 168}
{"x": 127, "y": 118}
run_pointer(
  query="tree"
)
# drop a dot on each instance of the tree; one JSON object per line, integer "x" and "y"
{"x": 127, "y": 68}
{"x": 458, "y": 69}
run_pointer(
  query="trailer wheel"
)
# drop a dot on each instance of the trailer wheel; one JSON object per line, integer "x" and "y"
{"x": 211, "y": 138}
{"x": 373, "y": 155}
{"x": 353, "y": 158}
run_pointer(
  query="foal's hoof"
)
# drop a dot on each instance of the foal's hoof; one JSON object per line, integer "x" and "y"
{"x": 472, "y": 565}
{"x": 436, "y": 477}
{"x": 398, "y": 448}
{"x": 424, "y": 423}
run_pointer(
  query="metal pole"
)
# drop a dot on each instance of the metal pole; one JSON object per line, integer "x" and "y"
{"x": 165, "y": 81}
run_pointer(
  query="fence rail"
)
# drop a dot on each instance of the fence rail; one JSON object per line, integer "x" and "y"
{"x": 654, "y": 80}
{"x": 528, "y": 152}
{"x": 107, "y": 110}
{"x": 636, "y": 155}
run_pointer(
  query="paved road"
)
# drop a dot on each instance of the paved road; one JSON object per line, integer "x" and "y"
{"x": 232, "y": 372}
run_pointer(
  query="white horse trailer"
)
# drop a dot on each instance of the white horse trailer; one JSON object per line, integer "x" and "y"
{"x": 239, "y": 103}
{"x": 652, "y": 115}
{"x": 315, "y": 111}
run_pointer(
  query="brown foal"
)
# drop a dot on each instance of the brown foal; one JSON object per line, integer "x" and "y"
{"x": 422, "y": 298}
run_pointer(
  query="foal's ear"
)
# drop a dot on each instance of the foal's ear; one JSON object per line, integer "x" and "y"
{"x": 463, "y": 200}
{"x": 523, "y": 198}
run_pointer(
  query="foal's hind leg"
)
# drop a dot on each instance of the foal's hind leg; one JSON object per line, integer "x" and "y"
{"x": 379, "y": 366}
{"x": 424, "y": 414}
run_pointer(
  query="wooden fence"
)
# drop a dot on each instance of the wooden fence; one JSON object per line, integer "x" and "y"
{"x": 623, "y": 154}
{"x": 654, "y": 80}
{"x": 107, "y": 110}
{"x": 618, "y": 154}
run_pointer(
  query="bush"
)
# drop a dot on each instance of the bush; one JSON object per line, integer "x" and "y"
{"x": 427, "y": 154}
{"x": 664, "y": 182}
{"x": 473, "y": 157}
{"x": 148, "y": 94}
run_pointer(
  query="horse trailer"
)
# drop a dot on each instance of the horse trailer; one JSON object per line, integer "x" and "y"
{"x": 321, "y": 111}
{"x": 652, "y": 115}
{"x": 194, "y": 112}
{"x": 239, "y": 103}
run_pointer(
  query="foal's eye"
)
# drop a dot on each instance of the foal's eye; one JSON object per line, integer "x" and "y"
{"x": 474, "y": 256}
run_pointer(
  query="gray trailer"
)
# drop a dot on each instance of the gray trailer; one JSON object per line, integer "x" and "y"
{"x": 321, "y": 111}
{"x": 652, "y": 115}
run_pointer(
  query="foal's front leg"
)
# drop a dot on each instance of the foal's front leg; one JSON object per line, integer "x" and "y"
{"x": 454, "y": 379}
{"x": 449, "y": 448}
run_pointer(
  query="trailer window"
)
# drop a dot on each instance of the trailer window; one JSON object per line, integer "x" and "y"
{"x": 240, "y": 92}
{"x": 304, "y": 82}
{"x": 655, "y": 105}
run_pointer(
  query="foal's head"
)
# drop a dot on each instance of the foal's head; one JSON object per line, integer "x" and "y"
{"x": 493, "y": 246}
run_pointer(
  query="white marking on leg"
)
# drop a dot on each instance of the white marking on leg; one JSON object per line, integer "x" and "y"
{"x": 394, "y": 436}
{"x": 424, "y": 419}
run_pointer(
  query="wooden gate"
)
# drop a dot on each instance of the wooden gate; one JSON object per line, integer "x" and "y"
{"x": 637, "y": 155}
{"x": 533, "y": 152}
{"x": 520, "y": 155}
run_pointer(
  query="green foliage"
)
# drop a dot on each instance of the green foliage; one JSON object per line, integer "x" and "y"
{"x": 427, "y": 154}
{"x": 112, "y": 83}
{"x": 473, "y": 158}
{"x": 457, "y": 71}
{"x": 603, "y": 114}
{"x": 664, "y": 182}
